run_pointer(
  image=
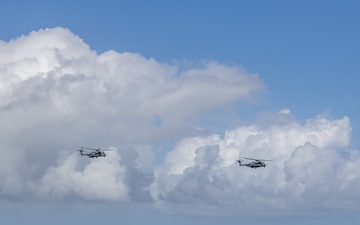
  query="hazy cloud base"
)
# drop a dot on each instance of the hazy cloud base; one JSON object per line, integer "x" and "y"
{"x": 56, "y": 94}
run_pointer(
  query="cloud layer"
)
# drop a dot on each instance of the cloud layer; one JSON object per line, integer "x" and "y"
{"x": 310, "y": 169}
{"x": 57, "y": 94}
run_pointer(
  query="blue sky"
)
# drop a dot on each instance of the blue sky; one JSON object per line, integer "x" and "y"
{"x": 178, "y": 90}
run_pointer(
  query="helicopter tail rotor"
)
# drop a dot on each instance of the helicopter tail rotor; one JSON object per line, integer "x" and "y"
{"x": 81, "y": 151}
{"x": 239, "y": 161}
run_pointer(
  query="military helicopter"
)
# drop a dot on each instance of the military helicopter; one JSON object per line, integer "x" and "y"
{"x": 95, "y": 152}
{"x": 254, "y": 164}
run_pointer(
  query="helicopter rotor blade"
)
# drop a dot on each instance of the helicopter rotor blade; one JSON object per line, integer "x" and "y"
{"x": 94, "y": 149}
{"x": 99, "y": 149}
{"x": 249, "y": 158}
{"x": 257, "y": 159}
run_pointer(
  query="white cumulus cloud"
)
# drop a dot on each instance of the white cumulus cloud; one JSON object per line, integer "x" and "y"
{"x": 99, "y": 180}
{"x": 312, "y": 168}
{"x": 57, "y": 95}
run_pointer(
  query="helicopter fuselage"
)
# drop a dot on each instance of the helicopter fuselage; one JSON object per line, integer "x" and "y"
{"x": 94, "y": 154}
{"x": 255, "y": 164}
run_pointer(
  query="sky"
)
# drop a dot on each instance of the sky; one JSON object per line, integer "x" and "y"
{"x": 179, "y": 90}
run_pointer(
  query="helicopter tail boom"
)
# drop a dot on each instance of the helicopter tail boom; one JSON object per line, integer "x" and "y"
{"x": 239, "y": 161}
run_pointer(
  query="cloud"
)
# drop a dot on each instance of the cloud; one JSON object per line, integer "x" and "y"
{"x": 52, "y": 76}
{"x": 99, "y": 180}
{"x": 57, "y": 95}
{"x": 310, "y": 169}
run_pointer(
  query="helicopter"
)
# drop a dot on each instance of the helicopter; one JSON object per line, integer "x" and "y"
{"x": 95, "y": 152}
{"x": 254, "y": 164}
